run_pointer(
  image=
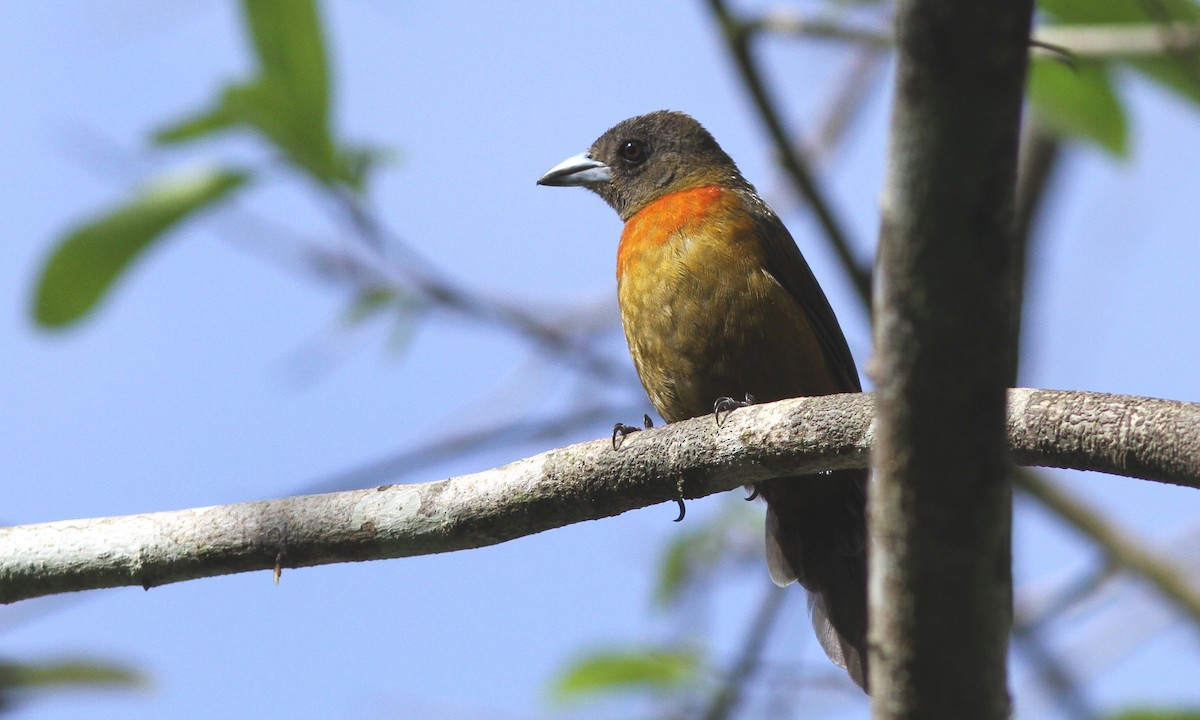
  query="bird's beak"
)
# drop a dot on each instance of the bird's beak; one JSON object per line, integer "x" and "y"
{"x": 580, "y": 169}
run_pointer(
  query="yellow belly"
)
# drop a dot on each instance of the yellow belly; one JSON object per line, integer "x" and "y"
{"x": 705, "y": 320}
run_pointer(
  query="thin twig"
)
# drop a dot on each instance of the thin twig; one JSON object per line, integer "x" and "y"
{"x": 1103, "y": 41}
{"x": 1097, "y": 41}
{"x": 1062, "y": 684}
{"x": 419, "y": 273}
{"x": 857, "y": 79}
{"x": 1124, "y": 625}
{"x": 726, "y": 700}
{"x": 397, "y": 466}
{"x": 371, "y": 264}
{"x": 1169, "y": 580}
{"x": 737, "y": 39}
{"x": 788, "y": 23}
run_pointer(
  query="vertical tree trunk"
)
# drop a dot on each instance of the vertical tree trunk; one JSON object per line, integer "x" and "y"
{"x": 941, "y": 505}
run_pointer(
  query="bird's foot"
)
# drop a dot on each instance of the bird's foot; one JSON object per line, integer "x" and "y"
{"x": 753, "y": 492}
{"x": 727, "y": 405}
{"x": 679, "y": 499}
{"x": 620, "y": 430}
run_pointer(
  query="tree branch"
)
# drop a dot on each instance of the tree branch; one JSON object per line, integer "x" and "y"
{"x": 1123, "y": 40}
{"x": 1118, "y": 547}
{"x": 1153, "y": 439}
{"x": 1097, "y": 41}
{"x": 725, "y": 702}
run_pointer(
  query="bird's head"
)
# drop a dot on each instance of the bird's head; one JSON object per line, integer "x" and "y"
{"x": 645, "y": 157}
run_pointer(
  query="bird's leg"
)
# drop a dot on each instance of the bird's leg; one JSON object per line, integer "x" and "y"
{"x": 727, "y": 405}
{"x": 620, "y": 430}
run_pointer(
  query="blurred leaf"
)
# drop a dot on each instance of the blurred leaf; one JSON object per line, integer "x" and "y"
{"x": 400, "y": 304}
{"x": 675, "y": 568}
{"x": 86, "y": 263}
{"x": 67, "y": 673}
{"x": 287, "y": 101}
{"x": 291, "y": 52}
{"x": 698, "y": 552}
{"x": 369, "y": 303}
{"x": 196, "y": 126}
{"x": 690, "y": 554}
{"x": 1171, "y": 73}
{"x": 1158, "y": 715}
{"x": 403, "y": 325}
{"x": 290, "y": 100}
{"x": 1115, "y": 11}
{"x": 1179, "y": 71}
{"x": 268, "y": 108}
{"x": 1079, "y": 101}
{"x": 356, "y": 163}
{"x": 654, "y": 670}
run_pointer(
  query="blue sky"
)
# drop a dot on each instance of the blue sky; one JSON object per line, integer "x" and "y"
{"x": 184, "y": 390}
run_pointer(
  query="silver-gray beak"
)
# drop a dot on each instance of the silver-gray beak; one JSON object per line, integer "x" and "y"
{"x": 581, "y": 169}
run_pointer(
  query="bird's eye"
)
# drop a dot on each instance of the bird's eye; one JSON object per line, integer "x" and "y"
{"x": 634, "y": 151}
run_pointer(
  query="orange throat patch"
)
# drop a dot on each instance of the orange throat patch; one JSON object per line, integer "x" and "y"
{"x": 654, "y": 224}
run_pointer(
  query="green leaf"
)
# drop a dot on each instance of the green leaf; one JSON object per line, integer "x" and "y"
{"x": 688, "y": 556}
{"x": 356, "y": 163}
{"x": 1158, "y": 715}
{"x": 650, "y": 670}
{"x": 1115, "y": 11}
{"x": 370, "y": 302}
{"x": 92, "y": 673}
{"x": 196, "y": 126}
{"x": 289, "y": 102}
{"x": 85, "y": 264}
{"x": 291, "y": 52}
{"x": 268, "y": 108}
{"x": 1079, "y": 101}
{"x": 1179, "y": 72}
{"x": 674, "y": 569}
{"x": 1172, "y": 74}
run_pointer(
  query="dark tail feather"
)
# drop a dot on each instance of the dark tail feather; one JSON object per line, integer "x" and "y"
{"x": 839, "y": 617}
{"x": 816, "y": 534}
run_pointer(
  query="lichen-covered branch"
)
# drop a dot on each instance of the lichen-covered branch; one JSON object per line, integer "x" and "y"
{"x": 1153, "y": 439}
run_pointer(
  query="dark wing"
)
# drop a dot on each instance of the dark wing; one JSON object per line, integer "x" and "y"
{"x": 816, "y": 530}
{"x": 785, "y": 262}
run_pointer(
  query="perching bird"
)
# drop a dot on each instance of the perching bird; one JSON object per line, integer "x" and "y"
{"x": 717, "y": 302}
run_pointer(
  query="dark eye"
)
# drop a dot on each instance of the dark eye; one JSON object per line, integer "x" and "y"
{"x": 634, "y": 151}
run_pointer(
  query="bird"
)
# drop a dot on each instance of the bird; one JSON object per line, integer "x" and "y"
{"x": 717, "y": 302}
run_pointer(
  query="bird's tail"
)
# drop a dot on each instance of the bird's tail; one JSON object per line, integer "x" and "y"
{"x": 816, "y": 534}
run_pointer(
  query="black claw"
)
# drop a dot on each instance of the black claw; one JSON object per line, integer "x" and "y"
{"x": 620, "y": 430}
{"x": 679, "y": 499}
{"x": 727, "y": 405}
{"x": 753, "y": 493}
{"x": 722, "y": 405}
